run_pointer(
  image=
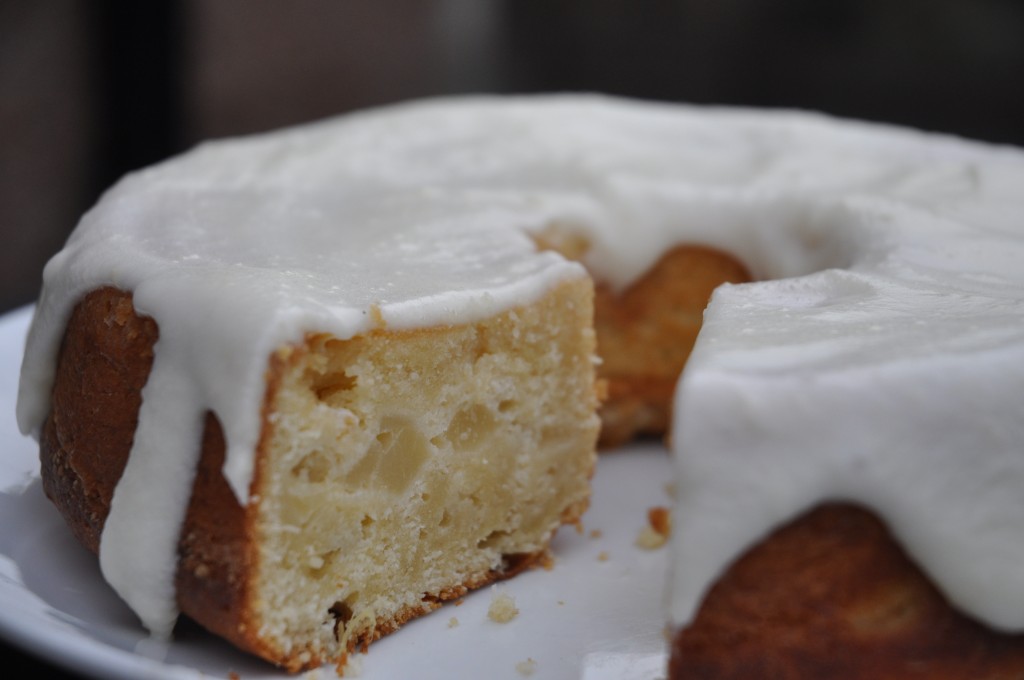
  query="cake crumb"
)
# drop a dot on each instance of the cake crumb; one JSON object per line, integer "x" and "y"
{"x": 657, "y": 530}
{"x": 349, "y": 666}
{"x": 527, "y": 667}
{"x": 649, "y": 539}
{"x": 459, "y": 602}
{"x": 453, "y": 622}
{"x": 355, "y": 667}
{"x": 503, "y": 608}
{"x": 602, "y": 556}
{"x": 596, "y": 533}
{"x": 660, "y": 520}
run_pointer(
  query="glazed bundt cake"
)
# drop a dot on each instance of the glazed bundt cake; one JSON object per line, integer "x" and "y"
{"x": 320, "y": 380}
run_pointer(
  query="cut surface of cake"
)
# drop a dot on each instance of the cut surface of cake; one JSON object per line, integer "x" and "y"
{"x": 374, "y": 318}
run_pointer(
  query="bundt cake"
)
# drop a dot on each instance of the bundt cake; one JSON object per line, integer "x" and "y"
{"x": 306, "y": 385}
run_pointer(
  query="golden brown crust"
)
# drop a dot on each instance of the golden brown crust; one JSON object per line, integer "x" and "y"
{"x": 214, "y": 555}
{"x": 103, "y": 364}
{"x": 82, "y": 456}
{"x": 832, "y": 595}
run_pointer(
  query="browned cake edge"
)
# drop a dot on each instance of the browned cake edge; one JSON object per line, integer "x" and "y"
{"x": 833, "y": 595}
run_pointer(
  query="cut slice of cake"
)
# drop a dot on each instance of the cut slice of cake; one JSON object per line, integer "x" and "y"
{"x": 395, "y": 469}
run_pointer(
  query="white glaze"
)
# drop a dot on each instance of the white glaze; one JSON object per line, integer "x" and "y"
{"x": 899, "y": 305}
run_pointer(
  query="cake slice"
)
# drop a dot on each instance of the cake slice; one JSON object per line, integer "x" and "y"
{"x": 394, "y": 470}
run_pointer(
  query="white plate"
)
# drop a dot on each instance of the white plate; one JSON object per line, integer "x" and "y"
{"x": 598, "y": 615}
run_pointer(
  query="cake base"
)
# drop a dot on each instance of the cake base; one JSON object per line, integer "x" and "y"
{"x": 832, "y": 595}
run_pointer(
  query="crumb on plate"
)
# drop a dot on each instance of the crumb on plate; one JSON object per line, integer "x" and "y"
{"x": 526, "y": 667}
{"x": 657, "y": 530}
{"x": 503, "y": 608}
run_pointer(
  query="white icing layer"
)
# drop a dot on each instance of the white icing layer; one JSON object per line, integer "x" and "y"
{"x": 883, "y": 365}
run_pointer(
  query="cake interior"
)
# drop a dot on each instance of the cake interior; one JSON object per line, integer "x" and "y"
{"x": 400, "y": 468}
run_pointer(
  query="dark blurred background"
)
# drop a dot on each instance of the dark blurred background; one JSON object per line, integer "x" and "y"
{"x": 92, "y": 89}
